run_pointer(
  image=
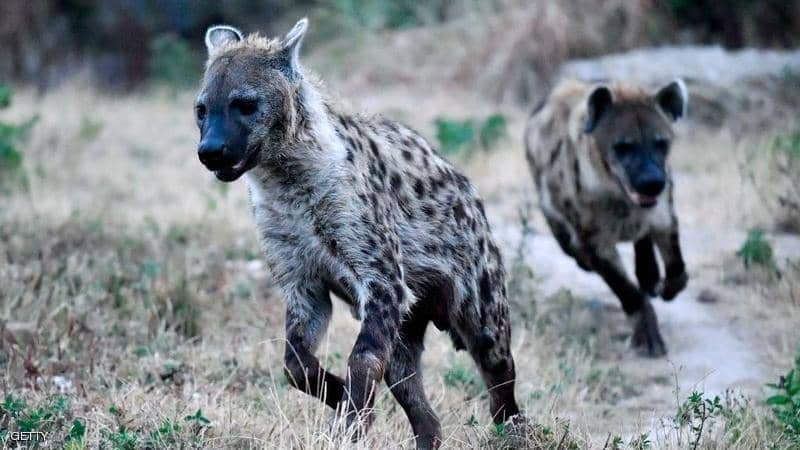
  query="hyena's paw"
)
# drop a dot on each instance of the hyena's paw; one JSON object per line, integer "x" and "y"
{"x": 646, "y": 339}
{"x": 583, "y": 260}
{"x": 650, "y": 287}
{"x": 673, "y": 285}
{"x": 518, "y": 432}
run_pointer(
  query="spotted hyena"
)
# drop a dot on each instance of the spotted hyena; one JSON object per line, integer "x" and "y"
{"x": 598, "y": 154}
{"x": 361, "y": 207}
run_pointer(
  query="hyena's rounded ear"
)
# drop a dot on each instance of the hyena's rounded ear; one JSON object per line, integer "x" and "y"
{"x": 219, "y": 35}
{"x": 291, "y": 47}
{"x": 599, "y": 102}
{"x": 672, "y": 99}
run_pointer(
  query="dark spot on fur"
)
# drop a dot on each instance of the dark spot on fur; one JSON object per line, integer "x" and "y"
{"x": 374, "y": 148}
{"x": 458, "y": 212}
{"x": 556, "y": 153}
{"x": 479, "y": 205}
{"x": 381, "y": 167}
{"x": 485, "y": 286}
{"x": 396, "y": 181}
{"x": 419, "y": 189}
{"x": 463, "y": 182}
{"x": 407, "y": 155}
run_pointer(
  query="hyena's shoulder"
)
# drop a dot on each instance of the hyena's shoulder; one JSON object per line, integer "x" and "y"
{"x": 553, "y": 129}
{"x": 381, "y": 148}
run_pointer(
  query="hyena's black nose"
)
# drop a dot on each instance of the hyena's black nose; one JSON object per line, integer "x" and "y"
{"x": 210, "y": 151}
{"x": 651, "y": 186}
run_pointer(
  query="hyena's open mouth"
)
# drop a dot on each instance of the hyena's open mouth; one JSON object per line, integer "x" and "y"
{"x": 232, "y": 173}
{"x": 639, "y": 199}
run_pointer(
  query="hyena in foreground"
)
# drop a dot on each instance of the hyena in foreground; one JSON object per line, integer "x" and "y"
{"x": 363, "y": 208}
{"x": 598, "y": 155}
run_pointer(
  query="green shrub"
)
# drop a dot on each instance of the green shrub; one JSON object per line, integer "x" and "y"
{"x": 11, "y": 170}
{"x": 172, "y": 62}
{"x": 785, "y": 402}
{"x": 456, "y": 136}
{"x": 356, "y": 16}
{"x": 493, "y": 130}
{"x": 756, "y": 250}
{"x": 5, "y": 97}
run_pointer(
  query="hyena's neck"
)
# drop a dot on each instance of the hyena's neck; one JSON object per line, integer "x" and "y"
{"x": 312, "y": 163}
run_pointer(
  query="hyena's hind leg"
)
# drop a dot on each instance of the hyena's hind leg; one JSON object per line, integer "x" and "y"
{"x": 647, "y": 271}
{"x": 489, "y": 344}
{"x": 404, "y": 378}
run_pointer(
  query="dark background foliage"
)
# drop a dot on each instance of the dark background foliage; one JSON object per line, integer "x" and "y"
{"x": 125, "y": 42}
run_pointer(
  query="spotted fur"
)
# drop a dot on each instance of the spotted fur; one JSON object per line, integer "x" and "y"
{"x": 586, "y": 197}
{"x": 363, "y": 207}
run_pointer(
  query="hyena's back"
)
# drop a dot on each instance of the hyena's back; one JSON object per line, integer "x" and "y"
{"x": 440, "y": 221}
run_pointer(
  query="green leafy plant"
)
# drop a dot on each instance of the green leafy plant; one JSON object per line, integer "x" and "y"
{"x": 756, "y": 250}
{"x": 785, "y": 403}
{"x": 698, "y": 413}
{"x": 11, "y": 170}
{"x": 198, "y": 418}
{"x": 492, "y": 131}
{"x": 165, "y": 435}
{"x": 459, "y": 376}
{"x": 172, "y": 62}
{"x": 12, "y": 406}
{"x": 455, "y": 136}
{"x": 76, "y": 432}
{"x": 122, "y": 439}
{"x": 5, "y": 96}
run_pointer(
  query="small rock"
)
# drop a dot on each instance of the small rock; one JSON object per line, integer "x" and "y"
{"x": 255, "y": 268}
{"x": 63, "y": 384}
{"x": 707, "y": 296}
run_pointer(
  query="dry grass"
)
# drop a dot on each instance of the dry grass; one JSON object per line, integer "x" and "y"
{"x": 132, "y": 298}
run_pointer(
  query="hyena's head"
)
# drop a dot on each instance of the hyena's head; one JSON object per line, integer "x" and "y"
{"x": 632, "y": 130}
{"x": 245, "y": 107}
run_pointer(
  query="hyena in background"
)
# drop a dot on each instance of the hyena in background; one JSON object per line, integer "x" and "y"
{"x": 364, "y": 208}
{"x": 598, "y": 155}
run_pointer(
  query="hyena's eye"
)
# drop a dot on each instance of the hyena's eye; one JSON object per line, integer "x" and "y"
{"x": 245, "y": 107}
{"x": 662, "y": 145}
{"x": 200, "y": 111}
{"x": 622, "y": 148}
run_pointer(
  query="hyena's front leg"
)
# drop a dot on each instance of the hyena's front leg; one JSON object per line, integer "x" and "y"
{"x": 669, "y": 246}
{"x": 564, "y": 236}
{"x": 307, "y": 316}
{"x": 374, "y": 344}
{"x": 647, "y": 271}
{"x": 646, "y": 335}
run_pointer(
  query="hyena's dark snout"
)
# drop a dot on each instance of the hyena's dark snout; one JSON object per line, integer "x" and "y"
{"x": 211, "y": 152}
{"x": 650, "y": 185}
{"x": 649, "y": 179}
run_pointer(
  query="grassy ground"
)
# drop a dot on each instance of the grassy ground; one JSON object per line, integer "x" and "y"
{"x": 135, "y": 313}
